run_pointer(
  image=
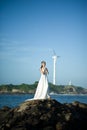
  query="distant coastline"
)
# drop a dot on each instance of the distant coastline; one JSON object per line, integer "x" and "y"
{"x": 31, "y": 88}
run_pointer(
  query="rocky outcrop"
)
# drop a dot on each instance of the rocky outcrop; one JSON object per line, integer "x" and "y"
{"x": 44, "y": 115}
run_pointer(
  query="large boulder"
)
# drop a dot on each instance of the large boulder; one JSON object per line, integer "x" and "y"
{"x": 44, "y": 115}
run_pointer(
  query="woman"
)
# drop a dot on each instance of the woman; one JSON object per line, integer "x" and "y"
{"x": 42, "y": 88}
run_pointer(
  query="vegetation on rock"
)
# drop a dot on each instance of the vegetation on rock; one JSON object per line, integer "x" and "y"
{"x": 30, "y": 88}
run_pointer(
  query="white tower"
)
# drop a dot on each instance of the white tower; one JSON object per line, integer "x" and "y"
{"x": 70, "y": 83}
{"x": 54, "y": 68}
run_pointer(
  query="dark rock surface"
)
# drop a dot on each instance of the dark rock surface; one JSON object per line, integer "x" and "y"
{"x": 44, "y": 115}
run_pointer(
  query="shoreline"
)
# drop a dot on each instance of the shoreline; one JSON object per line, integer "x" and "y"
{"x": 55, "y": 94}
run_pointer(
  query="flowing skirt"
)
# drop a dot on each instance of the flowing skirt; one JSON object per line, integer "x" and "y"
{"x": 42, "y": 88}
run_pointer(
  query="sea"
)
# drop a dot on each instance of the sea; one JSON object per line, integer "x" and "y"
{"x": 14, "y": 100}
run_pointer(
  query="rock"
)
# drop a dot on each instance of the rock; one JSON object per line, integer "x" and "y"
{"x": 68, "y": 116}
{"x": 44, "y": 115}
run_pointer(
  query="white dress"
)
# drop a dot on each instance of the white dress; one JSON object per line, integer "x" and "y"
{"x": 42, "y": 89}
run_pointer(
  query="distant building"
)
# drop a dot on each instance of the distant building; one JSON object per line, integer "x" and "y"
{"x": 70, "y": 83}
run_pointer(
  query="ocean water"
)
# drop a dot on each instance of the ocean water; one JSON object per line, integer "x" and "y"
{"x": 13, "y": 100}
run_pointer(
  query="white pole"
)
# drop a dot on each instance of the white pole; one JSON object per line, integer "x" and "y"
{"x": 54, "y": 72}
{"x": 54, "y": 69}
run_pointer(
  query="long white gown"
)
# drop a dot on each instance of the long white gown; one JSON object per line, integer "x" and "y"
{"x": 42, "y": 89}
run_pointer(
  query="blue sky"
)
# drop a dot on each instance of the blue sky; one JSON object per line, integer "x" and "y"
{"x": 31, "y": 29}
